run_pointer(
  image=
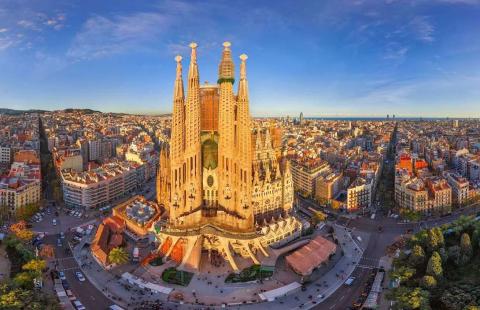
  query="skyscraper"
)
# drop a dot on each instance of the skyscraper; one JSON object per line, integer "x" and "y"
{"x": 220, "y": 181}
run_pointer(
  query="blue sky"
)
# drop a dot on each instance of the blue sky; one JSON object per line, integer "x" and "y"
{"x": 325, "y": 58}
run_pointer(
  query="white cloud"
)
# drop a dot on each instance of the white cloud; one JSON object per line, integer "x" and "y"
{"x": 2, "y": 30}
{"x": 422, "y": 28}
{"x": 101, "y": 36}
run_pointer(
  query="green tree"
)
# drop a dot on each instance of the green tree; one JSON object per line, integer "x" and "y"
{"x": 435, "y": 239}
{"x": 403, "y": 273}
{"x": 428, "y": 282}
{"x": 118, "y": 256}
{"x": 417, "y": 257}
{"x": 454, "y": 254}
{"x": 23, "y": 280}
{"x": 434, "y": 266}
{"x": 35, "y": 266}
{"x": 318, "y": 217}
{"x": 407, "y": 298}
{"x": 443, "y": 254}
{"x": 466, "y": 245}
{"x": 27, "y": 211}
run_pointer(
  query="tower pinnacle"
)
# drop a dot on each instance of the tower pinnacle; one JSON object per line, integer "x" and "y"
{"x": 226, "y": 69}
{"x": 243, "y": 66}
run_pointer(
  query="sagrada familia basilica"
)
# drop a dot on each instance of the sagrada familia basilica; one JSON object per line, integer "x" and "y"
{"x": 226, "y": 188}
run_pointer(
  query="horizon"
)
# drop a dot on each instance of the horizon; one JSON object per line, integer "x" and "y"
{"x": 335, "y": 58}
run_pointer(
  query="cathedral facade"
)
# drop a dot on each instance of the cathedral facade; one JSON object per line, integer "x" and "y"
{"x": 225, "y": 187}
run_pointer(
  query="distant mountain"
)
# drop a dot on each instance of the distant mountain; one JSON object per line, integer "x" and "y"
{"x": 84, "y": 111}
{"x": 17, "y": 112}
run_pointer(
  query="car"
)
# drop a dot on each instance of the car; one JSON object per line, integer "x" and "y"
{"x": 62, "y": 235}
{"x": 79, "y": 276}
{"x": 70, "y": 295}
{"x": 65, "y": 284}
{"x": 61, "y": 275}
{"x": 59, "y": 242}
{"x": 78, "y": 305}
{"x": 54, "y": 222}
{"x": 349, "y": 281}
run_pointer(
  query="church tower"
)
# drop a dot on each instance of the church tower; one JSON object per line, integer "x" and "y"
{"x": 227, "y": 128}
{"x": 222, "y": 192}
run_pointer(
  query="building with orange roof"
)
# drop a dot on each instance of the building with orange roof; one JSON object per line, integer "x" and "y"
{"x": 109, "y": 235}
{"x": 309, "y": 257}
{"x": 139, "y": 215}
{"x": 27, "y": 156}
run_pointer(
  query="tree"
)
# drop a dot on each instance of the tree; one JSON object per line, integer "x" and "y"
{"x": 25, "y": 212}
{"x": 35, "y": 266}
{"x": 118, "y": 256}
{"x": 466, "y": 246}
{"x": 318, "y": 217}
{"x": 434, "y": 266}
{"x": 25, "y": 235}
{"x": 403, "y": 273}
{"x": 23, "y": 280}
{"x": 454, "y": 254}
{"x": 435, "y": 239}
{"x": 443, "y": 254}
{"x": 417, "y": 257}
{"x": 428, "y": 282}
{"x": 410, "y": 298}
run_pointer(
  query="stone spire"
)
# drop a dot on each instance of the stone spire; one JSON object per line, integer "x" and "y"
{"x": 193, "y": 178}
{"x": 243, "y": 85}
{"x": 178, "y": 118}
{"x": 178, "y": 91}
{"x": 226, "y": 70}
{"x": 177, "y": 143}
{"x": 193, "y": 70}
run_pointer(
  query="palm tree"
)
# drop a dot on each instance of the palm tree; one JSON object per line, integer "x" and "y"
{"x": 118, "y": 256}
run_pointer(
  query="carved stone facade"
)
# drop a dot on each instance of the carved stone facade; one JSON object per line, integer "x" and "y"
{"x": 224, "y": 192}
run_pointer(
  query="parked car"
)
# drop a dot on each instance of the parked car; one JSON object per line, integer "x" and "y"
{"x": 59, "y": 242}
{"x": 62, "y": 235}
{"x": 79, "y": 276}
{"x": 70, "y": 295}
{"x": 61, "y": 275}
{"x": 65, "y": 284}
{"x": 54, "y": 222}
{"x": 78, "y": 305}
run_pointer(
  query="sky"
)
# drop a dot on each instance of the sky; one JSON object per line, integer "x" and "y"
{"x": 326, "y": 58}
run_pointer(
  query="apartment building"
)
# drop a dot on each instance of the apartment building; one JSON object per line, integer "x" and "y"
{"x": 103, "y": 185}
{"x": 460, "y": 188}
{"x": 68, "y": 158}
{"x": 304, "y": 176}
{"x": 412, "y": 194}
{"x": 16, "y": 192}
{"x": 5, "y": 154}
{"x": 359, "y": 194}
{"x": 328, "y": 186}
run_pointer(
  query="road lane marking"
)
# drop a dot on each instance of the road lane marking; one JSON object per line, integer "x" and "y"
{"x": 343, "y": 296}
{"x": 332, "y": 306}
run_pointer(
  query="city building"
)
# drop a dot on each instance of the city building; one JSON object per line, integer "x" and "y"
{"x": 224, "y": 187}
{"x": 460, "y": 188}
{"x": 305, "y": 174}
{"x": 359, "y": 194}
{"x": 328, "y": 186}
{"x": 101, "y": 186}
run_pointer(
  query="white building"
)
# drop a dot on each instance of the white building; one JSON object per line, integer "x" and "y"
{"x": 101, "y": 186}
{"x": 5, "y": 154}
